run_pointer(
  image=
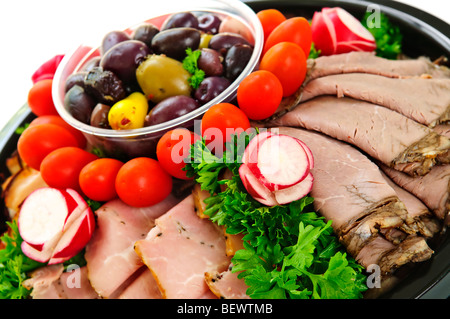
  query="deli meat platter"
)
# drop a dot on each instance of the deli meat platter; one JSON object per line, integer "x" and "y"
{"x": 417, "y": 108}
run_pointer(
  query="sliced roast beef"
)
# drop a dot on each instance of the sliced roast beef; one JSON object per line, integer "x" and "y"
{"x": 368, "y": 62}
{"x": 180, "y": 249}
{"x": 424, "y": 100}
{"x": 226, "y": 284}
{"x": 350, "y": 190}
{"x": 385, "y": 135}
{"x": 432, "y": 189}
{"x": 110, "y": 254}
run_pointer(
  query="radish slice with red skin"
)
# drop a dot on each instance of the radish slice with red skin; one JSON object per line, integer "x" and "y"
{"x": 336, "y": 31}
{"x": 308, "y": 153}
{"x": 295, "y": 192}
{"x": 254, "y": 187}
{"x": 33, "y": 253}
{"x": 282, "y": 162}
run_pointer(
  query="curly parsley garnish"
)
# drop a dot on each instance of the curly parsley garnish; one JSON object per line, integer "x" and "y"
{"x": 289, "y": 250}
{"x": 190, "y": 65}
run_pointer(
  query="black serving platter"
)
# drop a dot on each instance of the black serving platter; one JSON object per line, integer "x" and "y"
{"x": 424, "y": 35}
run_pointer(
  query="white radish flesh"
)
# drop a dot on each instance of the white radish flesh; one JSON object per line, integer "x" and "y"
{"x": 295, "y": 192}
{"x": 254, "y": 187}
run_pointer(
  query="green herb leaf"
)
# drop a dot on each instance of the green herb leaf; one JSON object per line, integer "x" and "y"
{"x": 387, "y": 36}
{"x": 190, "y": 65}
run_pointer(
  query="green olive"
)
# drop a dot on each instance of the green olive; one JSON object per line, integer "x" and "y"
{"x": 128, "y": 113}
{"x": 161, "y": 77}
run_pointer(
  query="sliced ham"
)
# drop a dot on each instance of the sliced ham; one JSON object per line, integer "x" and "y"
{"x": 52, "y": 282}
{"x": 368, "y": 62}
{"x": 144, "y": 286}
{"x": 180, "y": 249}
{"x": 424, "y": 100}
{"x": 432, "y": 189}
{"x": 226, "y": 284}
{"x": 110, "y": 254}
{"x": 350, "y": 190}
{"x": 376, "y": 130}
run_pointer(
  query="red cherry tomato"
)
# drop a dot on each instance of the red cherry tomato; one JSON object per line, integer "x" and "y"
{"x": 173, "y": 147}
{"x": 40, "y": 98}
{"x": 220, "y": 122}
{"x": 61, "y": 168}
{"x": 259, "y": 94}
{"x": 270, "y": 19}
{"x": 58, "y": 120}
{"x": 98, "y": 178}
{"x": 288, "y": 62}
{"x": 296, "y": 30}
{"x": 143, "y": 182}
{"x": 37, "y": 141}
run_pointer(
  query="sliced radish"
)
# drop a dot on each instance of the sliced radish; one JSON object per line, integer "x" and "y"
{"x": 276, "y": 169}
{"x": 254, "y": 187}
{"x": 295, "y": 192}
{"x": 43, "y": 215}
{"x": 75, "y": 238}
{"x": 282, "y": 162}
{"x": 336, "y": 31}
{"x": 54, "y": 224}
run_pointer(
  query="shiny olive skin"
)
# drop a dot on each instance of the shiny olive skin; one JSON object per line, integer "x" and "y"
{"x": 221, "y": 42}
{"x": 174, "y": 42}
{"x": 179, "y": 20}
{"x": 209, "y": 23}
{"x": 104, "y": 85}
{"x": 145, "y": 33}
{"x": 236, "y": 60}
{"x": 79, "y": 104}
{"x": 170, "y": 108}
{"x": 75, "y": 79}
{"x": 210, "y": 88}
{"x": 99, "y": 116}
{"x": 161, "y": 77}
{"x": 210, "y": 61}
{"x": 123, "y": 59}
{"x": 111, "y": 39}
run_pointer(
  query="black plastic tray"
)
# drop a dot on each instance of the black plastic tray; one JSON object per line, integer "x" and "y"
{"x": 424, "y": 34}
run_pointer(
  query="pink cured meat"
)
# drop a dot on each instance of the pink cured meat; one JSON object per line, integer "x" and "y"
{"x": 143, "y": 287}
{"x": 110, "y": 256}
{"x": 180, "y": 249}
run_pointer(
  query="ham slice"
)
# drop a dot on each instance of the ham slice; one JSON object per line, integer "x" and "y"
{"x": 110, "y": 255}
{"x": 180, "y": 249}
{"x": 226, "y": 284}
{"x": 424, "y": 100}
{"x": 368, "y": 62}
{"x": 51, "y": 282}
{"x": 376, "y": 130}
{"x": 350, "y": 190}
{"x": 143, "y": 287}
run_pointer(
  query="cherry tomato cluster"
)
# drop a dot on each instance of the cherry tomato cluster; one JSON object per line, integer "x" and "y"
{"x": 282, "y": 70}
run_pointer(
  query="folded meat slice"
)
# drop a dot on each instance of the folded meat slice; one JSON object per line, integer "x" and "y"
{"x": 350, "y": 190}
{"x": 424, "y": 100}
{"x": 383, "y": 134}
{"x": 144, "y": 286}
{"x": 419, "y": 218}
{"x": 432, "y": 189}
{"x": 110, "y": 254}
{"x": 368, "y": 62}
{"x": 51, "y": 282}
{"x": 180, "y": 249}
{"x": 226, "y": 284}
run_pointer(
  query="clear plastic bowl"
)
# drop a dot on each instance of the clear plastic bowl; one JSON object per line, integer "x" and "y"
{"x": 126, "y": 144}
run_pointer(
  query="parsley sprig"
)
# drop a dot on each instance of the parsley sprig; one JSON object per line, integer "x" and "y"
{"x": 190, "y": 65}
{"x": 289, "y": 250}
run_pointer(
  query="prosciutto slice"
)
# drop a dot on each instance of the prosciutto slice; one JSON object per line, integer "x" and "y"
{"x": 350, "y": 190}
{"x": 110, "y": 254}
{"x": 368, "y": 62}
{"x": 424, "y": 100}
{"x": 180, "y": 249}
{"x": 385, "y": 135}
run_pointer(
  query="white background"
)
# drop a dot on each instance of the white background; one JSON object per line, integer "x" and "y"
{"x": 33, "y": 31}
